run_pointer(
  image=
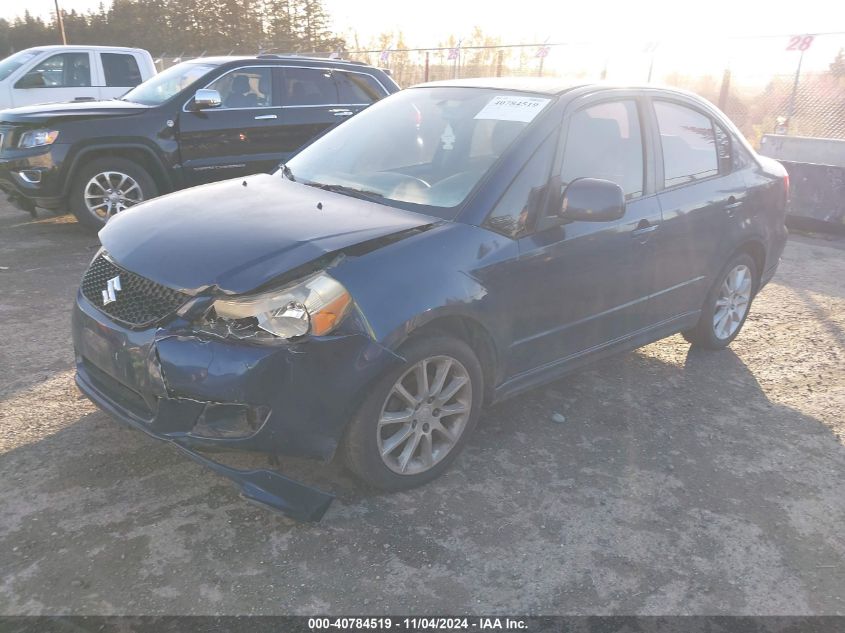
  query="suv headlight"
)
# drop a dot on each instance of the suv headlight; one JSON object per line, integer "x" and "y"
{"x": 37, "y": 138}
{"x": 315, "y": 305}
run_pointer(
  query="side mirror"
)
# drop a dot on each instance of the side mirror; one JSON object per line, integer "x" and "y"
{"x": 592, "y": 200}
{"x": 205, "y": 98}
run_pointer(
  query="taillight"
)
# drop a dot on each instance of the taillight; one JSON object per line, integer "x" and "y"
{"x": 786, "y": 186}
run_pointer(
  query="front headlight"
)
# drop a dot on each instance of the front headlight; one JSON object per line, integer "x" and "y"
{"x": 37, "y": 138}
{"x": 315, "y": 305}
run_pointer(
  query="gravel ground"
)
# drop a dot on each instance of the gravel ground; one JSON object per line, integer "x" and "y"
{"x": 678, "y": 482}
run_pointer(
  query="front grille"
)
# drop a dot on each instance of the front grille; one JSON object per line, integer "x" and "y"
{"x": 128, "y": 298}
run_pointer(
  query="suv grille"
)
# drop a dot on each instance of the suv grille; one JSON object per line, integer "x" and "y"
{"x": 139, "y": 301}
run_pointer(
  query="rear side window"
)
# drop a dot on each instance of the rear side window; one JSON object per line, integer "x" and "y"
{"x": 65, "y": 70}
{"x": 356, "y": 88}
{"x": 689, "y": 144}
{"x": 604, "y": 141}
{"x": 246, "y": 88}
{"x": 121, "y": 70}
{"x": 309, "y": 86}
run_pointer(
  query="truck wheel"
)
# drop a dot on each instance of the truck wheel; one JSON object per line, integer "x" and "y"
{"x": 727, "y": 305}
{"x": 417, "y": 418}
{"x": 106, "y": 186}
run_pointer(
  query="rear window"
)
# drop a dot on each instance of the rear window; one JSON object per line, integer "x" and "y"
{"x": 357, "y": 88}
{"x": 689, "y": 144}
{"x": 309, "y": 86}
{"x": 121, "y": 70}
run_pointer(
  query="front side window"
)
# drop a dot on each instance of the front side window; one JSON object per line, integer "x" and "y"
{"x": 309, "y": 86}
{"x": 422, "y": 146}
{"x": 65, "y": 70}
{"x": 521, "y": 203}
{"x": 604, "y": 141}
{"x": 167, "y": 84}
{"x": 246, "y": 88}
{"x": 121, "y": 70}
{"x": 356, "y": 88}
{"x": 13, "y": 62}
{"x": 689, "y": 144}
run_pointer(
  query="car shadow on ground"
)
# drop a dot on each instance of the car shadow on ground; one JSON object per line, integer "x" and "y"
{"x": 672, "y": 472}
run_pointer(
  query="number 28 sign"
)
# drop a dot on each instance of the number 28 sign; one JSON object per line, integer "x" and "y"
{"x": 800, "y": 42}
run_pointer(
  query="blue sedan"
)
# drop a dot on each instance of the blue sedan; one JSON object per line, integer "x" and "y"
{"x": 452, "y": 245}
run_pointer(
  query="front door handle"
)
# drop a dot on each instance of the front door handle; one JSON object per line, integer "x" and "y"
{"x": 644, "y": 227}
{"x": 341, "y": 112}
{"x": 266, "y": 117}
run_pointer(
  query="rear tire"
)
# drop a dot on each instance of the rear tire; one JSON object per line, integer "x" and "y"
{"x": 429, "y": 416}
{"x": 106, "y": 186}
{"x": 727, "y": 304}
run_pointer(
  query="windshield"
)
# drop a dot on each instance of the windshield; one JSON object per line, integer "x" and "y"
{"x": 423, "y": 146}
{"x": 161, "y": 87}
{"x": 13, "y": 62}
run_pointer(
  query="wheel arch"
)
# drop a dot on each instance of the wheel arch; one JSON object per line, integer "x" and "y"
{"x": 473, "y": 333}
{"x": 136, "y": 152}
{"x": 757, "y": 251}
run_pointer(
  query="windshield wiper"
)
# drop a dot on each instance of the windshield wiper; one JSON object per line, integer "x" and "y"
{"x": 363, "y": 194}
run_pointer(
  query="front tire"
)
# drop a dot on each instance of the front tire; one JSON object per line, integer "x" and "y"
{"x": 106, "y": 186}
{"x": 727, "y": 305}
{"x": 417, "y": 418}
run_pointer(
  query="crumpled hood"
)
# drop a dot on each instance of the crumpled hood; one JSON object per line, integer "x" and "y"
{"x": 240, "y": 236}
{"x": 73, "y": 110}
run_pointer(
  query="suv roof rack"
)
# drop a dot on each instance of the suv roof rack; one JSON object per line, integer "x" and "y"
{"x": 321, "y": 59}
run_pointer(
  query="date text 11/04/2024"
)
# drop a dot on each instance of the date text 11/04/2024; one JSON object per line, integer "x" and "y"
{"x": 417, "y": 624}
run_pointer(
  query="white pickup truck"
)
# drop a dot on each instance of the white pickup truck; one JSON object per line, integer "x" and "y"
{"x": 49, "y": 74}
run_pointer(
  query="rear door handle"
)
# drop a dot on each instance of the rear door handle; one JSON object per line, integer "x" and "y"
{"x": 732, "y": 204}
{"x": 341, "y": 112}
{"x": 266, "y": 117}
{"x": 644, "y": 228}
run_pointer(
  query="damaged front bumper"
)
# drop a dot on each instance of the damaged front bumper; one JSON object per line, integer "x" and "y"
{"x": 197, "y": 391}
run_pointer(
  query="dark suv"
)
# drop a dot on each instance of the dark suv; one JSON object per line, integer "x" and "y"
{"x": 199, "y": 121}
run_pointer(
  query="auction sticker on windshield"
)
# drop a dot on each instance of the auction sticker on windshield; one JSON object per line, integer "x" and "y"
{"x": 505, "y": 108}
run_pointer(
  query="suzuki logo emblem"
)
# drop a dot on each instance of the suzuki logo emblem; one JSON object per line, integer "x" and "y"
{"x": 112, "y": 288}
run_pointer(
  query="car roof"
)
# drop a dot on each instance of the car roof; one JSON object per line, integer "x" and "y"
{"x": 548, "y": 85}
{"x": 275, "y": 59}
{"x": 59, "y": 47}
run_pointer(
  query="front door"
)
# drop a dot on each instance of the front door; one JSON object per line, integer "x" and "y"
{"x": 587, "y": 284}
{"x": 59, "y": 78}
{"x": 241, "y": 136}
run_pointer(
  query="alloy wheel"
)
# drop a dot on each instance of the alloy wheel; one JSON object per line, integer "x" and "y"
{"x": 732, "y": 302}
{"x": 110, "y": 192}
{"x": 424, "y": 415}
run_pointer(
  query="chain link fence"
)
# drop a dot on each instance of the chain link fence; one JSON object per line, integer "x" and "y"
{"x": 780, "y": 84}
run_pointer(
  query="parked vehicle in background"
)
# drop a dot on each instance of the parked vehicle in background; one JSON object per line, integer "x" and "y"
{"x": 52, "y": 74}
{"x": 196, "y": 122}
{"x": 451, "y": 246}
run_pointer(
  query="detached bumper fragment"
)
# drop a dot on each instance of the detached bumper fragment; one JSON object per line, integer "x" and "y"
{"x": 264, "y": 487}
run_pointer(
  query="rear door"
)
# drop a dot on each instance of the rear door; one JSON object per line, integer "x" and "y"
{"x": 701, "y": 195}
{"x": 241, "y": 136}
{"x": 316, "y": 99}
{"x": 120, "y": 72}
{"x": 66, "y": 76}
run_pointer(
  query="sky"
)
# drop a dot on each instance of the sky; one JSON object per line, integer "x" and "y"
{"x": 427, "y": 22}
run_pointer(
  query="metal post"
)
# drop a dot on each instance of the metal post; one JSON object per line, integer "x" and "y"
{"x": 426, "y": 66}
{"x": 724, "y": 92}
{"x": 61, "y": 22}
{"x": 540, "y": 70}
{"x": 500, "y": 56}
{"x": 650, "y": 68}
{"x": 795, "y": 87}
